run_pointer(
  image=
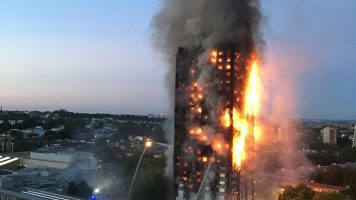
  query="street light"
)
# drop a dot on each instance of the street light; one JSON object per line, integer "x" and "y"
{"x": 97, "y": 190}
{"x": 148, "y": 144}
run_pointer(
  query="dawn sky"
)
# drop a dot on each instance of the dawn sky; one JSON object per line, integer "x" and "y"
{"x": 96, "y": 55}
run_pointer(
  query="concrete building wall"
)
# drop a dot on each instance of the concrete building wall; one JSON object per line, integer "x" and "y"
{"x": 52, "y": 157}
{"x": 33, "y": 163}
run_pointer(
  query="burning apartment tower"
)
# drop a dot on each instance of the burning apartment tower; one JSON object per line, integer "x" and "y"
{"x": 215, "y": 107}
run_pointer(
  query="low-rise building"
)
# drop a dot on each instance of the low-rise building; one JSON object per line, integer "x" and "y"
{"x": 318, "y": 187}
{"x": 31, "y": 194}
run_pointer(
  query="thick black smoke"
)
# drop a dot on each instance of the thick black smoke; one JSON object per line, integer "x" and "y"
{"x": 207, "y": 24}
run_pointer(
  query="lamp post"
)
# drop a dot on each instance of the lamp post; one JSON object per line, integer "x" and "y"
{"x": 148, "y": 144}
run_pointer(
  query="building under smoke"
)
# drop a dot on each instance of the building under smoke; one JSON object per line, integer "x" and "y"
{"x": 216, "y": 93}
{"x": 214, "y": 124}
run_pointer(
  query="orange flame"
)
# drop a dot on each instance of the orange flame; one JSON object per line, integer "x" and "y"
{"x": 244, "y": 124}
{"x": 213, "y": 56}
{"x": 226, "y": 119}
{"x": 252, "y": 91}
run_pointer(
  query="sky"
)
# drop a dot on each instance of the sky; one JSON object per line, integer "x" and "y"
{"x": 97, "y": 55}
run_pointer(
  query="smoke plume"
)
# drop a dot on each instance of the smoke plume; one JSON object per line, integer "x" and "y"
{"x": 207, "y": 24}
{"x": 204, "y": 24}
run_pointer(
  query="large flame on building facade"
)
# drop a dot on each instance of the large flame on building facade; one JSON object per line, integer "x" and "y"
{"x": 220, "y": 117}
{"x": 244, "y": 121}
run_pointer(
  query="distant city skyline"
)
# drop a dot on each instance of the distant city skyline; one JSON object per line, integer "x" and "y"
{"x": 97, "y": 56}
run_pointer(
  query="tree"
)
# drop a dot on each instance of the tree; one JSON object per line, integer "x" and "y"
{"x": 329, "y": 196}
{"x": 150, "y": 186}
{"x": 81, "y": 190}
{"x": 72, "y": 189}
{"x": 333, "y": 176}
{"x": 5, "y": 126}
{"x": 85, "y": 191}
{"x": 300, "y": 192}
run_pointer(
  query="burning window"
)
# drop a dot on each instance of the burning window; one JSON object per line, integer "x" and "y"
{"x": 199, "y": 110}
{"x": 199, "y": 130}
{"x": 213, "y": 56}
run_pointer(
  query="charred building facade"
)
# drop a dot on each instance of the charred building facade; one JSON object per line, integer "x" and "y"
{"x": 210, "y": 89}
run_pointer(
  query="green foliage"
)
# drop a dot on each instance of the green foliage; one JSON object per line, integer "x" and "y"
{"x": 150, "y": 182}
{"x": 150, "y": 185}
{"x": 71, "y": 127}
{"x": 333, "y": 176}
{"x": 327, "y": 158}
{"x": 81, "y": 190}
{"x": 318, "y": 145}
{"x": 13, "y": 115}
{"x": 67, "y": 114}
{"x": 5, "y": 126}
{"x": 338, "y": 176}
{"x": 26, "y": 145}
{"x": 141, "y": 128}
{"x": 30, "y": 122}
{"x": 329, "y": 196}
{"x": 53, "y": 123}
{"x": 344, "y": 142}
{"x": 300, "y": 192}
